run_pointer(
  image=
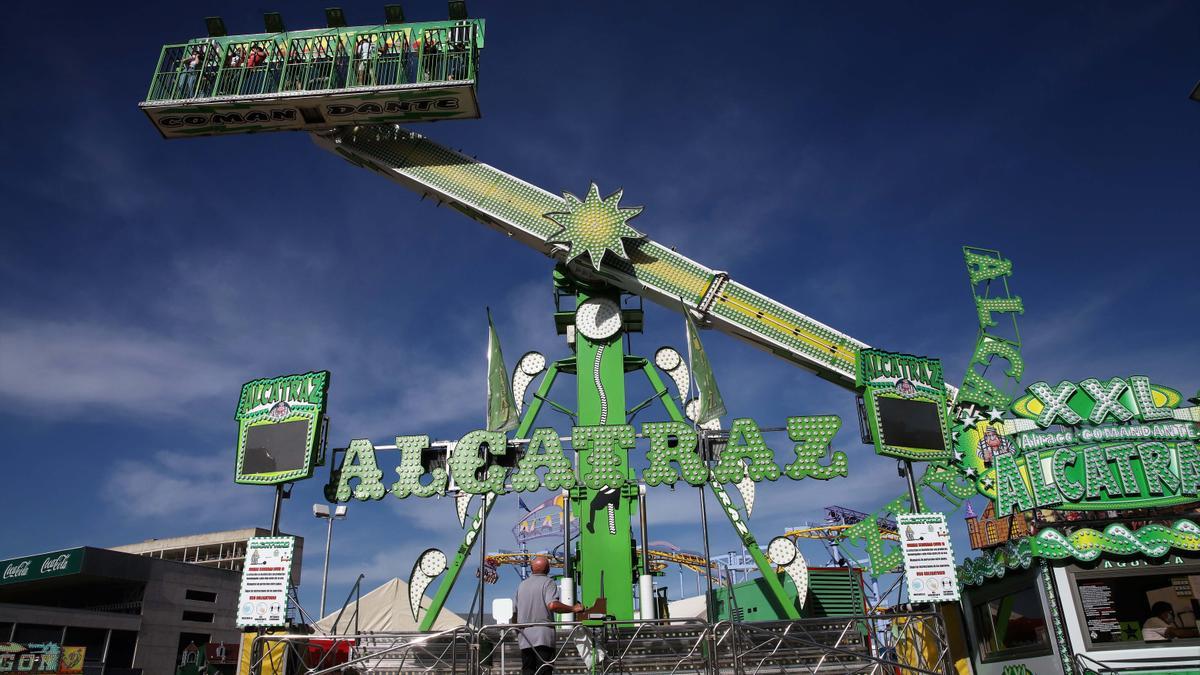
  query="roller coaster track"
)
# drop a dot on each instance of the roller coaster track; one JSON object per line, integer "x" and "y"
{"x": 833, "y": 532}
{"x": 659, "y": 560}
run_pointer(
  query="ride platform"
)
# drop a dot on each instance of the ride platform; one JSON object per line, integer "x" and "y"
{"x": 319, "y": 78}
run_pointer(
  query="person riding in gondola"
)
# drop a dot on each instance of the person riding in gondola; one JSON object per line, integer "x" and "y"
{"x": 362, "y": 57}
{"x": 430, "y": 50}
{"x": 191, "y": 68}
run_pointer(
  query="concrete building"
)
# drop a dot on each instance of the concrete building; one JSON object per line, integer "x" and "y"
{"x": 134, "y": 614}
{"x": 221, "y": 550}
{"x": 135, "y": 608}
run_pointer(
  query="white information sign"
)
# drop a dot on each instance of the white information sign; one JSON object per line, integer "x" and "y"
{"x": 266, "y": 575}
{"x": 928, "y": 558}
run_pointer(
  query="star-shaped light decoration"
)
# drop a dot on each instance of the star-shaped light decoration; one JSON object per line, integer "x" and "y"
{"x": 594, "y": 225}
{"x": 995, "y": 415}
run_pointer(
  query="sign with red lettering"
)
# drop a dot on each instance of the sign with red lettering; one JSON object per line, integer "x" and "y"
{"x": 928, "y": 559}
{"x": 266, "y": 577}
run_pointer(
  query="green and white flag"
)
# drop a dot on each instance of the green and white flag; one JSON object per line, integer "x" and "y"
{"x": 711, "y": 405}
{"x": 502, "y": 408}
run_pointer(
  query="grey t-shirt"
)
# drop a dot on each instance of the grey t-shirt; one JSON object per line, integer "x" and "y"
{"x": 532, "y": 597}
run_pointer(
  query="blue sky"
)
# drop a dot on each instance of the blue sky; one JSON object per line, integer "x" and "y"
{"x": 834, "y": 157}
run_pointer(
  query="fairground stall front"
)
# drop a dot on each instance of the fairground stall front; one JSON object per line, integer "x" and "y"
{"x": 1090, "y": 558}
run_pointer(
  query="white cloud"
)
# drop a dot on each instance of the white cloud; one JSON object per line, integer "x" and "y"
{"x": 172, "y": 484}
{"x": 85, "y": 369}
{"x": 435, "y": 514}
{"x": 391, "y": 562}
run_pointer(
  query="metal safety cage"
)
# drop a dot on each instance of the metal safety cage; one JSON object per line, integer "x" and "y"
{"x": 447, "y": 54}
{"x": 316, "y": 63}
{"x": 186, "y": 71}
{"x": 381, "y": 59}
{"x": 251, "y": 67}
{"x": 333, "y": 59}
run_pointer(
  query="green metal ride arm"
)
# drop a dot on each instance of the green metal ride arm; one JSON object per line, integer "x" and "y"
{"x": 518, "y": 209}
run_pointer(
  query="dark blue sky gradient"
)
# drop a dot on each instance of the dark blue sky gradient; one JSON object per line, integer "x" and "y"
{"x": 833, "y": 156}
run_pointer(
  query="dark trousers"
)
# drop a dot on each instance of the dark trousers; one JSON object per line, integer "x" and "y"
{"x": 537, "y": 661}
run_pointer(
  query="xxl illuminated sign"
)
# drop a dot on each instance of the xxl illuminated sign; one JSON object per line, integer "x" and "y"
{"x": 1092, "y": 445}
{"x": 475, "y": 465}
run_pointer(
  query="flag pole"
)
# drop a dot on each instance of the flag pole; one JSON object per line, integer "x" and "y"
{"x": 704, "y": 452}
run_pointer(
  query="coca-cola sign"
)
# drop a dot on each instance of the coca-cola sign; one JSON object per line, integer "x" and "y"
{"x": 34, "y": 567}
{"x": 56, "y": 564}
{"x": 16, "y": 569}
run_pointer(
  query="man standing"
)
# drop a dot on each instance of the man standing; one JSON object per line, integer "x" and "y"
{"x": 537, "y": 600}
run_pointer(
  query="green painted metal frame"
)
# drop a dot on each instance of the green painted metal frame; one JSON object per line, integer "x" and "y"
{"x": 653, "y": 271}
{"x": 747, "y": 538}
{"x": 606, "y": 361}
{"x": 432, "y": 66}
{"x": 464, "y": 549}
{"x": 600, "y": 397}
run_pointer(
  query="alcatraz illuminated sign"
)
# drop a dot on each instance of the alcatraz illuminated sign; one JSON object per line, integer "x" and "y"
{"x": 1120, "y": 444}
{"x": 279, "y": 428}
{"x": 904, "y": 401}
{"x": 672, "y": 454}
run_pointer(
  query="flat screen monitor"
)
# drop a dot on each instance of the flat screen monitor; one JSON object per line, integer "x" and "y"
{"x": 910, "y": 424}
{"x": 276, "y": 447}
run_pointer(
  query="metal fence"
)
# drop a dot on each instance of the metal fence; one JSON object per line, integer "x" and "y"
{"x": 897, "y": 643}
{"x": 273, "y": 65}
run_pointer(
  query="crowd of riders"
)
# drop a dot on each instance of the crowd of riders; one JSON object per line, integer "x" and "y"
{"x": 316, "y": 63}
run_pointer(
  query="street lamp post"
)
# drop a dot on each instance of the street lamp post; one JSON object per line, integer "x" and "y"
{"x": 322, "y": 511}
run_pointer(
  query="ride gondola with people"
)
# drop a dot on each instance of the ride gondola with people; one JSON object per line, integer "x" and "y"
{"x": 395, "y": 72}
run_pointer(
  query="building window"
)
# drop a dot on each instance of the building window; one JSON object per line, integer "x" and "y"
{"x": 1010, "y": 621}
{"x": 200, "y": 596}
{"x": 36, "y": 632}
{"x": 121, "y": 646}
{"x": 1128, "y": 604}
{"x": 202, "y": 617}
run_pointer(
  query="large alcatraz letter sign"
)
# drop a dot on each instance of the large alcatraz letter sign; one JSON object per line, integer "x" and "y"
{"x": 280, "y": 421}
{"x": 989, "y": 272}
{"x": 477, "y": 464}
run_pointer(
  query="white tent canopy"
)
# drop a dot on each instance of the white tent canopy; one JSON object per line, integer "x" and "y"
{"x": 688, "y": 608}
{"x": 387, "y": 610}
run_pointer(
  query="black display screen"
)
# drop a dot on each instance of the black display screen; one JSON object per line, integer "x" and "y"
{"x": 276, "y": 447}
{"x": 910, "y": 424}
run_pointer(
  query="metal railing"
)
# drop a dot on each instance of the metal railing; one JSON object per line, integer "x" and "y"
{"x": 185, "y": 72}
{"x": 911, "y": 643}
{"x": 1087, "y": 665}
{"x": 207, "y": 69}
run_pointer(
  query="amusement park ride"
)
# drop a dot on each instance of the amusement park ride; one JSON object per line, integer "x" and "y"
{"x": 600, "y": 256}
{"x": 351, "y": 88}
